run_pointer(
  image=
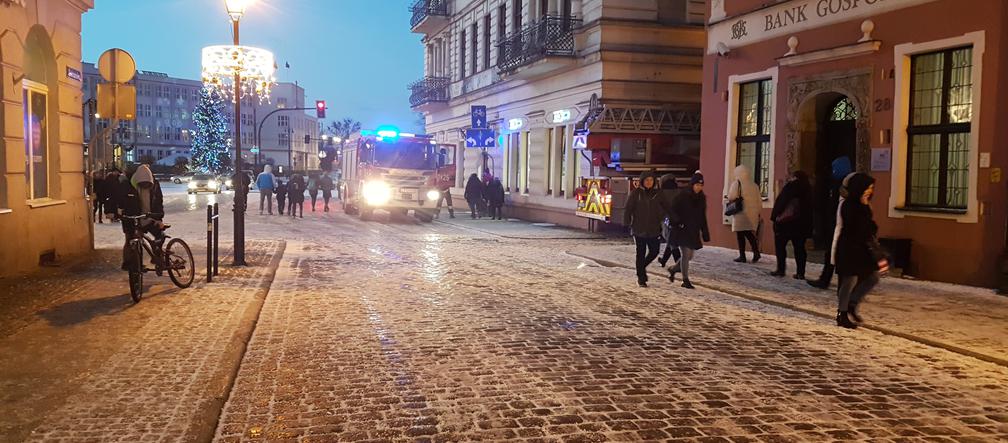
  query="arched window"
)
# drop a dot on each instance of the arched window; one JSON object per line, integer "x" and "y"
{"x": 843, "y": 110}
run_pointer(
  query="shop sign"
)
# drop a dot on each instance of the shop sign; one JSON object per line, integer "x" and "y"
{"x": 593, "y": 199}
{"x": 797, "y": 15}
{"x": 515, "y": 124}
{"x": 561, "y": 116}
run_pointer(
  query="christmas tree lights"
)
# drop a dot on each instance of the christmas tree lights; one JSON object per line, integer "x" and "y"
{"x": 210, "y": 151}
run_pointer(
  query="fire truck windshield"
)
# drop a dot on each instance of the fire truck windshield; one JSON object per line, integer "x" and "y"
{"x": 404, "y": 154}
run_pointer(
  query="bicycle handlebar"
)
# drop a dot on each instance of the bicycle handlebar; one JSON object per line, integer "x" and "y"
{"x": 137, "y": 217}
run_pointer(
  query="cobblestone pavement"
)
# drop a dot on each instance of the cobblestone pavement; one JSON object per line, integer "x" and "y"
{"x": 388, "y": 331}
{"x": 156, "y": 371}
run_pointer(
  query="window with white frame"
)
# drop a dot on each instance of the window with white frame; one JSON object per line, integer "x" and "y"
{"x": 938, "y": 133}
{"x": 283, "y": 121}
{"x": 753, "y": 132}
{"x": 35, "y": 100}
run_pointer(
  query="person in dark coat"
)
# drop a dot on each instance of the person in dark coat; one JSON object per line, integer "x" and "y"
{"x": 295, "y": 195}
{"x": 841, "y": 168}
{"x": 313, "y": 187}
{"x": 792, "y": 222}
{"x": 98, "y": 195}
{"x": 669, "y": 189}
{"x": 857, "y": 255}
{"x": 646, "y": 208}
{"x": 112, "y": 187}
{"x": 281, "y": 196}
{"x": 325, "y": 183}
{"x": 494, "y": 196}
{"x": 140, "y": 195}
{"x": 689, "y": 222}
{"x": 474, "y": 195}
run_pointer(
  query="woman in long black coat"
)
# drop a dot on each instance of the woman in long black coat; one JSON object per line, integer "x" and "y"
{"x": 474, "y": 194}
{"x": 858, "y": 257}
{"x": 688, "y": 219}
{"x": 792, "y": 222}
{"x": 494, "y": 196}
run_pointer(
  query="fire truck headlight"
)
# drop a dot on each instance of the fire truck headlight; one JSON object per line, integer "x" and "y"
{"x": 376, "y": 193}
{"x": 433, "y": 195}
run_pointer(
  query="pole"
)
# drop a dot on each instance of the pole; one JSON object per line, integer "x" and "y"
{"x": 216, "y": 238}
{"x": 209, "y": 243}
{"x": 241, "y": 192}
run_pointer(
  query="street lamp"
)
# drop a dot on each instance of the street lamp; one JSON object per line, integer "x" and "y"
{"x": 237, "y": 70}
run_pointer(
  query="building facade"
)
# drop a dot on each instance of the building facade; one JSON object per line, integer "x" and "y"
{"x": 904, "y": 91}
{"x": 163, "y": 125}
{"x": 44, "y": 214}
{"x": 282, "y": 138}
{"x": 628, "y": 72}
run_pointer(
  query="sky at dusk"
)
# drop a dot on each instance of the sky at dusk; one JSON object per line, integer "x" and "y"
{"x": 358, "y": 55}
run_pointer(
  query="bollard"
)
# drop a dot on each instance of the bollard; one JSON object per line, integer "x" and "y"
{"x": 216, "y": 235}
{"x": 210, "y": 243}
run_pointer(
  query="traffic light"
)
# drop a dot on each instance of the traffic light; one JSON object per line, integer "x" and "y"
{"x": 307, "y": 139}
{"x": 320, "y": 108}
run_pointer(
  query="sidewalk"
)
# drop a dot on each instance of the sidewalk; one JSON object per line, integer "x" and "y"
{"x": 82, "y": 362}
{"x": 967, "y": 320}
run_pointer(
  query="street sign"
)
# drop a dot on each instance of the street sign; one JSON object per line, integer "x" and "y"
{"x": 580, "y": 141}
{"x": 116, "y": 102}
{"x": 116, "y": 66}
{"x": 479, "y": 116}
{"x": 480, "y": 138}
{"x": 254, "y": 150}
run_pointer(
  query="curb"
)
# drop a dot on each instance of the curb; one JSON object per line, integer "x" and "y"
{"x": 205, "y": 429}
{"x": 881, "y": 329}
{"x": 514, "y": 237}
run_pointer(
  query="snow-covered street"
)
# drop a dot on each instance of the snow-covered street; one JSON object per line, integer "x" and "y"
{"x": 396, "y": 330}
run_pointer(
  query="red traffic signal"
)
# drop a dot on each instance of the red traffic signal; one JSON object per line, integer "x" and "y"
{"x": 320, "y": 108}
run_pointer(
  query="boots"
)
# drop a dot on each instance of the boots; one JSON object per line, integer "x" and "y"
{"x": 853, "y": 313}
{"x": 843, "y": 321}
{"x": 686, "y": 284}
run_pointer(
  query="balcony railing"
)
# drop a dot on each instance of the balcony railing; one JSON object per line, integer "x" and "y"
{"x": 425, "y": 8}
{"x": 429, "y": 90}
{"x": 553, "y": 36}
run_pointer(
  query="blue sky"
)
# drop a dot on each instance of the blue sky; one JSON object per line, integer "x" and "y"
{"x": 358, "y": 55}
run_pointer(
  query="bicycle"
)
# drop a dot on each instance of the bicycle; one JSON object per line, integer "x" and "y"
{"x": 174, "y": 256}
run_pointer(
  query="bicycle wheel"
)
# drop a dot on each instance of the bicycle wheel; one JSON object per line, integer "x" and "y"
{"x": 180, "y": 264}
{"x": 136, "y": 273}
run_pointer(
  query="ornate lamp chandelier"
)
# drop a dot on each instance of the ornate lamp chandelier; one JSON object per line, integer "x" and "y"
{"x": 255, "y": 67}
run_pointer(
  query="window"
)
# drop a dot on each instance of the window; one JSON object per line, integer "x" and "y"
{"x": 283, "y": 121}
{"x": 486, "y": 42}
{"x": 843, "y": 110}
{"x": 35, "y": 102}
{"x": 516, "y": 16}
{"x": 474, "y": 48}
{"x": 462, "y": 53}
{"x": 159, "y": 112}
{"x": 282, "y": 102}
{"x": 501, "y": 29}
{"x": 941, "y": 113}
{"x": 754, "y": 126}
{"x": 527, "y": 159}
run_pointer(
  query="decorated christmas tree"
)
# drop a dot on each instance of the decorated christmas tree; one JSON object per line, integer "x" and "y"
{"x": 210, "y": 151}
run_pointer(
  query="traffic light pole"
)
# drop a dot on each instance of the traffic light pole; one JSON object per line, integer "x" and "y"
{"x": 263, "y": 122}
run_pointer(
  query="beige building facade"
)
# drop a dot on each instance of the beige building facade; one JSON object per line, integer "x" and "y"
{"x": 43, "y": 210}
{"x": 628, "y": 72}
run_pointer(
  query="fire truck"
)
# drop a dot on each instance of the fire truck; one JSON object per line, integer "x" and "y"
{"x": 396, "y": 172}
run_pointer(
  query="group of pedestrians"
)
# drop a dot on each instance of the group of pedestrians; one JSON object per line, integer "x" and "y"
{"x": 485, "y": 197}
{"x": 290, "y": 193}
{"x": 106, "y": 184}
{"x": 679, "y": 215}
{"x": 659, "y": 210}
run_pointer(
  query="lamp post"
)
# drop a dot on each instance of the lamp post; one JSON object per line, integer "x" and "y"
{"x": 235, "y": 8}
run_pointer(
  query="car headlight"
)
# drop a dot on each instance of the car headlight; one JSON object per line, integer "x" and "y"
{"x": 192, "y": 184}
{"x": 212, "y": 184}
{"x": 376, "y": 193}
{"x": 227, "y": 183}
{"x": 433, "y": 195}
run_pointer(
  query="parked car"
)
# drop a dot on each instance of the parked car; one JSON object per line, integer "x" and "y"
{"x": 204, "y": 183}
{"x": 182, "y": 178}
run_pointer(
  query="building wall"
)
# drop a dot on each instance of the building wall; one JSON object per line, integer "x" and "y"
{"x": 285, "y": 131}
{"x": 960, "y": 248}
{"x": 40, "y": 42}
{"x": 638, "y": 57}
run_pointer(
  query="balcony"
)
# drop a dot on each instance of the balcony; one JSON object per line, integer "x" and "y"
{"x": 429, "y": 93}
{"x": 429, "y": 16}
{"x": 543, "y": 46}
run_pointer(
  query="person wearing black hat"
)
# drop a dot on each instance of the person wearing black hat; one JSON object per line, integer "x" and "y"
{"x": 689, "y": 220}
{"x": 858, "y": 256}
{"x": 645, "y": 210}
